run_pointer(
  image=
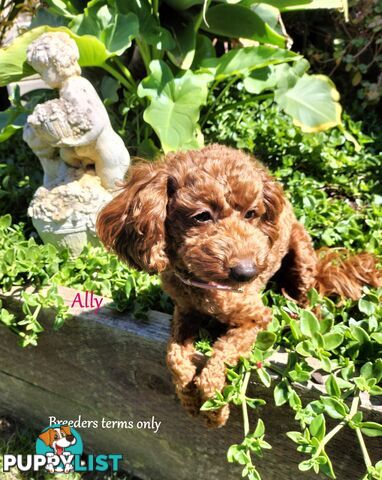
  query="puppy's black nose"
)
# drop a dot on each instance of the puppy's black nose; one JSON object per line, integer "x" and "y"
{"x": 244, "y": 271}
{"x": 69, "y": 438}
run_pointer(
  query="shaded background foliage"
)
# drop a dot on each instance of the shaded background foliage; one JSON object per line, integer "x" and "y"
{"x": 349, "y": 52}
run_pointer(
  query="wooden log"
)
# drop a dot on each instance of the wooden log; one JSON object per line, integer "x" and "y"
{"x": 106, "y": 365}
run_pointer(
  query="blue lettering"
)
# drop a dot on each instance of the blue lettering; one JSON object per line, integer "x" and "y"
{"x": 115, "y": 458}
{"x": 101, "y": 463}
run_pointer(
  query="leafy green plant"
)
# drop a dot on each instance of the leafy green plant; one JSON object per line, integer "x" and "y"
{"x": 167, "y": 56}
{"x": 24, "y": 263}
{"x": 346, "y": 344}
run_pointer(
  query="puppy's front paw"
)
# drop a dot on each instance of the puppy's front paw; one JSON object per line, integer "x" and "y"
{"x": 216, "y": 418}
{"x": 210, "y": 380}
{"x": 178, "y": 360}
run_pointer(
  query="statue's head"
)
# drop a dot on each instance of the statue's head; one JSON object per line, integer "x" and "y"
{"x": 54, "y": 56}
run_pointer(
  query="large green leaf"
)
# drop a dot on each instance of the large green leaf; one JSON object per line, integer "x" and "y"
{"x": 312, "y": 103}
{"x": 115, "y": 30}
{"x": 174, "y": 106}
{"x": 185, "y": 4}
{"x": 268, "y": 14}
{"x": 237, "y": 21}
{"x": 242, "y": 61}
{"x": 15, "y": 117}
{"x": 149, "y": 28}
{"x": 203, "y": 50}
{"x": 290, "y": 5}
{"x": 262, "y": 79}
{"x": 62, "y": 8}
{"x": 13, "y": 65}
{"x": 11, "y": 120}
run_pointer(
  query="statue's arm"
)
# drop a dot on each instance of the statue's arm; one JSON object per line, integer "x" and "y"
{"x": 89, "y": 116}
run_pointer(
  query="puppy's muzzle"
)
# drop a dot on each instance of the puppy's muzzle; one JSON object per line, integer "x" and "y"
{"x": 243, "y": 271}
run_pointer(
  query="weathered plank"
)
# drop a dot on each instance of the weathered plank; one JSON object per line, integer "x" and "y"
{"x": 108, "y": 365}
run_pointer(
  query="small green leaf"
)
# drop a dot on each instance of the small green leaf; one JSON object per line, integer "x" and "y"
{"x": 359, "y": 334}
{"x": 281, "y": 393}
{"x": 326, "y": 467}
{"x": 296, "y": 437}
{"x": 211, "y": 405}
{"x": 334, "y": 408}
{"x": 260, "y": 429}
{"x": 304, "y": 348}
{"x": 377, "y": 337}
{"x": 305, "y": 465}
{"x": 238, "y": 454}
{"x": 5, "y": 221}
{"x": 294, "y": 400}
{"x": 265, "y": 340}
{"x": 361, "y": 383}
{"x": 376, "y": 390}
{"x": 367, "y": 370}
{"x": 255, "y": 402}
{"x": 371, "y": 429}
{"x": 264, "y": 377}
{"x": 332, "y": 387}
{"x": 332, "y": 340}
{"x": 308, "y": 323}
{"x": 317, "y": 341}
{"x": 317, "y": 427}
{"x": 366, "y": 307}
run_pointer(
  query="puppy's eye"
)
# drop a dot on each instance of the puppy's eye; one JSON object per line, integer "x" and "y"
{"x": 203, "y": 217}
{"x": 55, "y": 436}
{"x": 250, "y": 214}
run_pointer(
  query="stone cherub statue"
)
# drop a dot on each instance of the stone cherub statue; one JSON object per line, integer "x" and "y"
{"x": 83, "y": 158}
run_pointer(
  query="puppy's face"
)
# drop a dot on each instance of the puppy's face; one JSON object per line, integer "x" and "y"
{"x": 219, "y": 226}
{"x": 210, "y": 215}
{"x": 58, "y": 438}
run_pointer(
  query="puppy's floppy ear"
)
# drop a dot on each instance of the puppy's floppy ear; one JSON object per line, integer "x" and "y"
{"x": 66, "y": 429}
{"x": 46, "y": 437}
{"x": 132, "y": 224}
{"x": 274, "y": 202}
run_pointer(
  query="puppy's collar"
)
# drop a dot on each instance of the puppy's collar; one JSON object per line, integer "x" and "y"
{"x": 207, "y": 286}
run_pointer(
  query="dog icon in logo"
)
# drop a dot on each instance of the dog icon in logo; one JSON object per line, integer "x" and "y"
{"x": 58, "y": 438}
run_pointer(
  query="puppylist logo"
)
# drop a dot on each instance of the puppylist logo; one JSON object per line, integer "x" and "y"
{"x": 59, "y": 449}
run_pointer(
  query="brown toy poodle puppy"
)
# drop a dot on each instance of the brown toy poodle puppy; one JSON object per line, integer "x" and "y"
{"x": 218, "y": 227}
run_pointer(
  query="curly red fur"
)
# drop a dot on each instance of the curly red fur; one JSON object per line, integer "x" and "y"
{"x": 340, "y": 273}
{"x": 195, "y": 217}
